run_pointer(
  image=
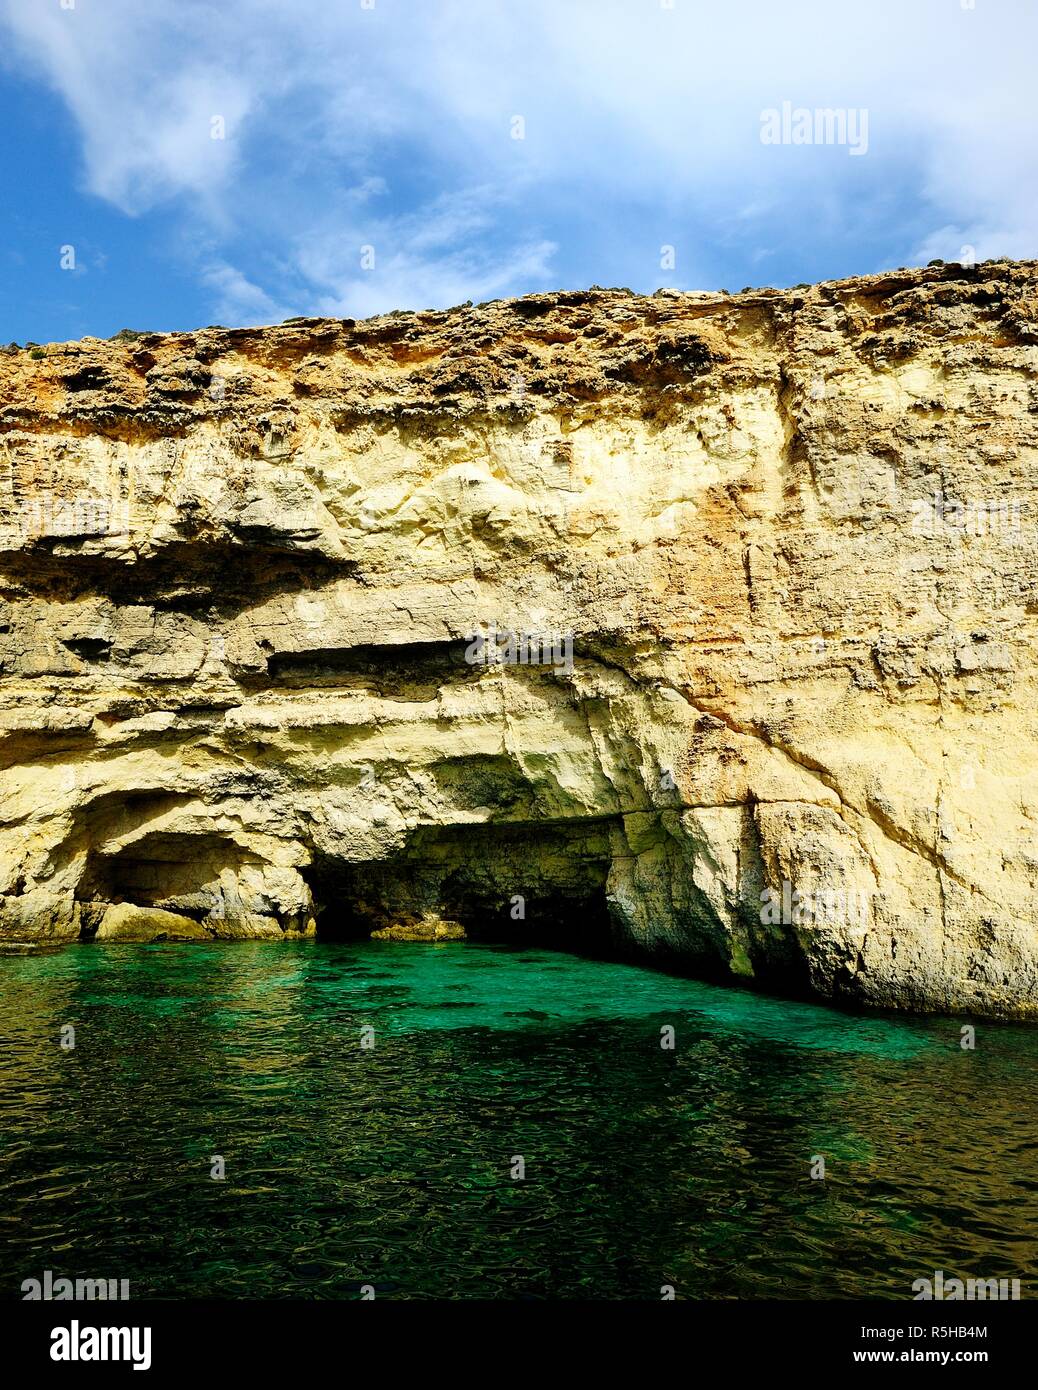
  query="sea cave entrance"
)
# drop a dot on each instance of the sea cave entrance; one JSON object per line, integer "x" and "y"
{"x": 526, "y": 883}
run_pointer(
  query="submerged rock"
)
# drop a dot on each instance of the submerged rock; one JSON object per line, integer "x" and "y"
{"x": 698, "y": 624}
{"x": 428, "y": 929}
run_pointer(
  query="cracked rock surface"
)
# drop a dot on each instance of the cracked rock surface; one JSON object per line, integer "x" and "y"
{"x": 774, "y": 554}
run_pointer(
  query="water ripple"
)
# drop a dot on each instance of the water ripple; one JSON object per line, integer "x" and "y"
{"x": 392, "y": 1165}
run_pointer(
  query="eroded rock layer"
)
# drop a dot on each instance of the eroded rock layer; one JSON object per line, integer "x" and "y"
{"x": 770, "y": 560}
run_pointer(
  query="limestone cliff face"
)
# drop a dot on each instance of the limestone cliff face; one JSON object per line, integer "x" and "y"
{"x": 770, "y": 560}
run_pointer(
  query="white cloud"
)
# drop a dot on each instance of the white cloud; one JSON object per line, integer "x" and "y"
{"x": 406, "y": 280}
{"x": 439, "y": 255}
{"x": 391, "y": 126}
{"x": 143, "y": 95}
{"x": 237, "y": 301}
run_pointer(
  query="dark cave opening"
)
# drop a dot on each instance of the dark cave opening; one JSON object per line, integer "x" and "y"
{"x": 528, "y": 884}
{"x": 174, "y": 872}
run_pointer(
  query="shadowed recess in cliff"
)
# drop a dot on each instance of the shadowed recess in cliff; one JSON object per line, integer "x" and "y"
{"x": 410, "y": 670}
{"x": 193, "y": 576}
{"x": 178, "y": 872}
{"x": 533, "y": 883}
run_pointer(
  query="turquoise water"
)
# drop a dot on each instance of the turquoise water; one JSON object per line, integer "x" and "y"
{"x": 391, "y": 1165}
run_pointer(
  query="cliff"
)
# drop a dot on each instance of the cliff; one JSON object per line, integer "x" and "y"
{"x": 703, "y": 624}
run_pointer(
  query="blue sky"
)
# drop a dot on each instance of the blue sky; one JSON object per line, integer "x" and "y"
{"x": 390, "y": 125}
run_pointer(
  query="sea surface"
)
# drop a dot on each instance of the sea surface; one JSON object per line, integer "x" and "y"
{"x": 467, "y": 1121}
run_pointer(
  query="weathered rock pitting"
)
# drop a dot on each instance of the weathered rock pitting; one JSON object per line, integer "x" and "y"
{"x": 785, "y": 538}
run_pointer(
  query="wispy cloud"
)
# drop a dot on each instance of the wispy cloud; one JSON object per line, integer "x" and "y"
{"x": 236, "y": 300}
{"x": 441, "y": 254}
{"x": 282, "y": 139}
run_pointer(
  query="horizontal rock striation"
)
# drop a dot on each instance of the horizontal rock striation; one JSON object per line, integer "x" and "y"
{"x": 699, "y": 625}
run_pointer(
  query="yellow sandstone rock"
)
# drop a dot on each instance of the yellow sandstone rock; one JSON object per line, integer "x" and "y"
{"x": 701, "y": 624}
{"x": 125, "y": 922}
{"x": 429, "y": 928}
